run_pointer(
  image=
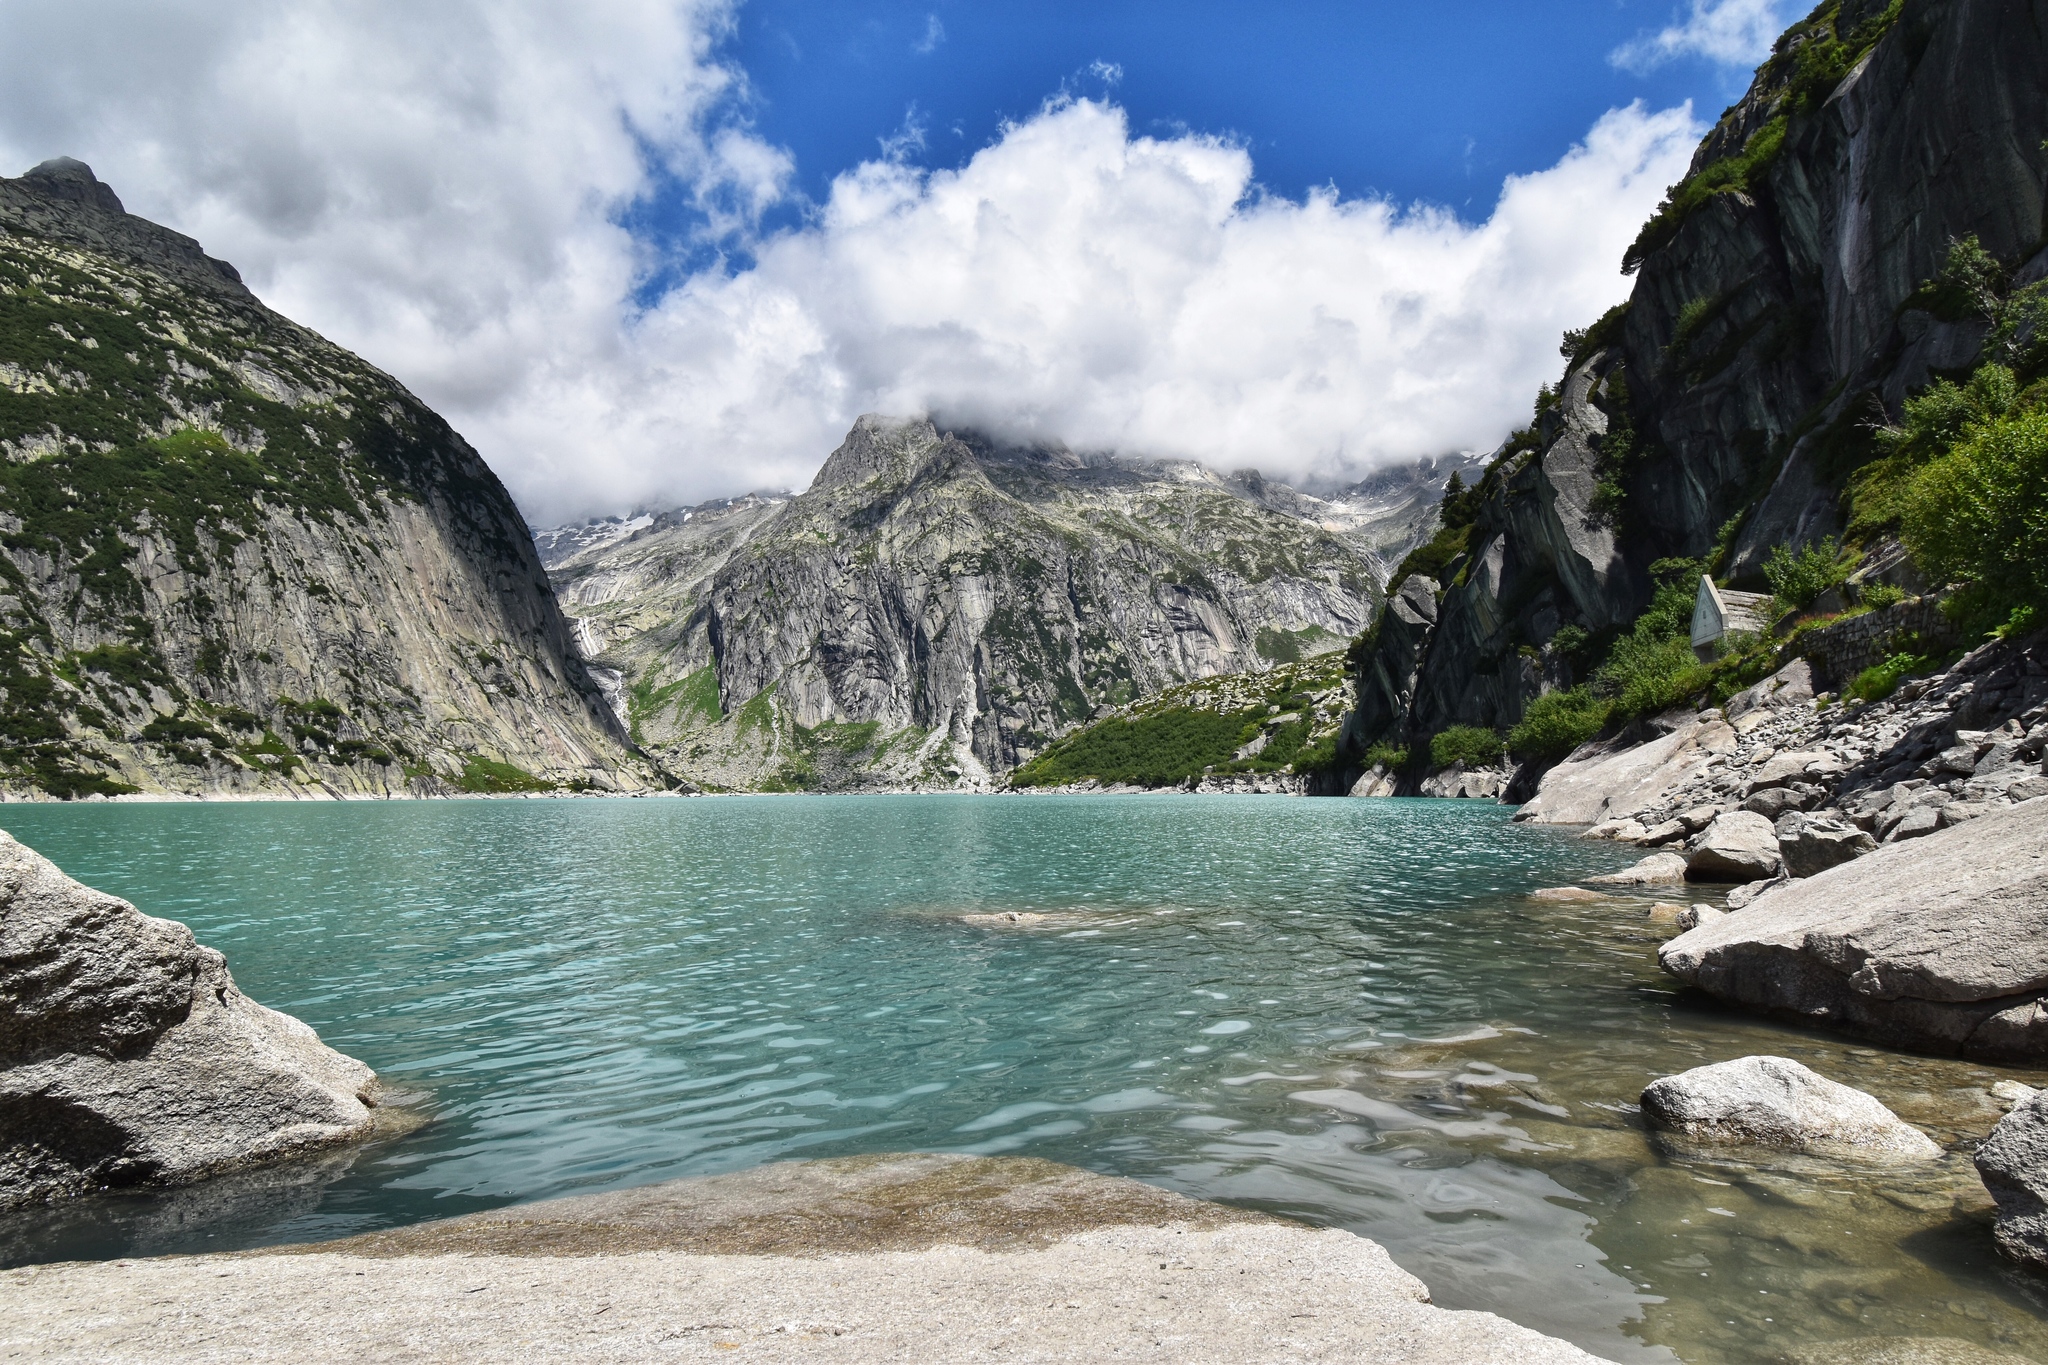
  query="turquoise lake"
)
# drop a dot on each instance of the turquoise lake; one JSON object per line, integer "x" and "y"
{"x": 1346, "y": 1011}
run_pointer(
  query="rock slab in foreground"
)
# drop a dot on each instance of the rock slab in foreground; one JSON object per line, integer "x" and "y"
{"x": 2014, "y": 1164}
{"x": 1940, "y": 943}
{"x": 1778, "y": 1102}
{"x": 859, "y": 1259}
{"x": 128, "y": 1057}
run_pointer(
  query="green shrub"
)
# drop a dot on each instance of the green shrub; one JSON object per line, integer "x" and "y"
{"x": 1558, "y": 723}
{"x": 1386, "y": 756}
{"x": 1646, "y": 673}
{"x": 1570, "y": 642}
{"x": 1980, "y": 512}
{"x": 488, "y": 775}
{"x": 1466, "y": 744}
{"x": 1150, "y": 750}
{"x": 1582, "y": 341}
{"x": 1881, "y": 680}
{"x": 1878, "y": 596}
{"x": 1797, "y": 579}
{"x": 1430, "y": 560}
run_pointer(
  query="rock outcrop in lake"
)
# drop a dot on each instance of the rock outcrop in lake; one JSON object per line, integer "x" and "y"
{"x": 936, "y": 608}
{"x": 129, "y": 1058}
{"x": 1777, "y": 1102}
{"x": 235, "y": 559}
{"x": 1939, "y": 943}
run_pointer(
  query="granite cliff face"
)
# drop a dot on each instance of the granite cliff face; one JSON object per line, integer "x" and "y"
{"x": 1778, "y": 316}
{"x": 935, "y": 608}
{"x": 236, "y": 559}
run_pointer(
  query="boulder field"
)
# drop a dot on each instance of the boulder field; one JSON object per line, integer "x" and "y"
{"x": 129, "y": 1058}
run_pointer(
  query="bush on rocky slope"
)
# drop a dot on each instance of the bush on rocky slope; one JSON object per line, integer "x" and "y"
{"x": 1980, "y": 511}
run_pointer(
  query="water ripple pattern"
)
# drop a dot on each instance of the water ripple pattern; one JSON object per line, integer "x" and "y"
{"x": 1343, "y": 1010}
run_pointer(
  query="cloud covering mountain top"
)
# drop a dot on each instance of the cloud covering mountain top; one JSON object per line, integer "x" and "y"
{"x": 441, "y": 188}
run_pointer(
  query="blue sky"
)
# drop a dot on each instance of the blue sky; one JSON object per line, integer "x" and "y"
{"x": 1432, "y": 102}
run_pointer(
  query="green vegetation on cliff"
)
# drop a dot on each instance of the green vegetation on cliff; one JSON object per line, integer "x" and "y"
{"x": 1284, "y": 721}
{"x": 1808, "y": 62}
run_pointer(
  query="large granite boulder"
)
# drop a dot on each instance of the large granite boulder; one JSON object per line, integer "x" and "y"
{"x": 1740, "y": 846}
{"x": 128, "y": 1057}
{"x": 1939, "y": 944}
{"x": 2014, "y": 1164}
{"x": 1777, "y": 1102}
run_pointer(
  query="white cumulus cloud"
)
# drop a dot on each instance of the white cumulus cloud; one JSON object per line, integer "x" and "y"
{"x": 1736, "y": 33}
{"x": 440, "y": 188}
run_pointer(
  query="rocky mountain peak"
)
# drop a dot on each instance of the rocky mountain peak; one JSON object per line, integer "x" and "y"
{"x": 62, "y": 200}
{"x": 877, "y": 446}
{"x": 63, "y": 177}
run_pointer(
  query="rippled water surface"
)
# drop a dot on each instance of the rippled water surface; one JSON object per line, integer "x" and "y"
{"x": 1348, "y": 1011}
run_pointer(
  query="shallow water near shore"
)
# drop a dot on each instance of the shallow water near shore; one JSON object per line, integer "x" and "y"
{"x": 1345, "y": 1011}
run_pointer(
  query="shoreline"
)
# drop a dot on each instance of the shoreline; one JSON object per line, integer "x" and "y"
{"x": 890, "y": 1257}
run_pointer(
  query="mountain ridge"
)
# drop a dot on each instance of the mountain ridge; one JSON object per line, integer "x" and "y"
{"x": 936, "y": 607}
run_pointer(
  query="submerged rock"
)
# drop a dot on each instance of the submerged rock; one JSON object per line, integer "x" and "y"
{"x": 1566, "y": 895}
{"x": 128, "y": 1057}
{"x": 1777, "y": 1102}
{"x": 2014, "y": 1164}
{"x": 1740, "y": 846}
{"x": 1659, "y": 869}
{"x": 1941, "y": 943}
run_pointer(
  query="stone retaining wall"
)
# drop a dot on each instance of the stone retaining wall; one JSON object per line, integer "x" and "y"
{"x": 1838, "y": 652}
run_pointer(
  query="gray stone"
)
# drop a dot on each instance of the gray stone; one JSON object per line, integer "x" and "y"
{"x": 1790, "y": 686}
{"x": 1740, "y": 846}
{"x": 1786, "y": 767}
{"x": 1670, "y": 832}
{"x": 1940, "y": 943}
{"x": 2014, "y": 1164}
{"x": 1659, "y": 869}
{"x": 1693, "y": 916}
{"x": 1775, "y": 1101}
{"x": 128, "y": 1057}
{"x": 1698, "y": 818}
{"x": 1375, "y": 781}
{"x": 1917, "y": 823}
{"x": 1742, "y": 897}
{"x": 1812, "y": 844}
{"x": 1773, "y": 802}
{"x": 1959, "y": 761}
{"x": 2010, "y": 1093}
{"x": 1618, "y": 780}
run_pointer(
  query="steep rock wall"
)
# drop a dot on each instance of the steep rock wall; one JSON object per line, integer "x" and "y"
{"x": 1773, "y": 321}
{"x": 236, "y": 559}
